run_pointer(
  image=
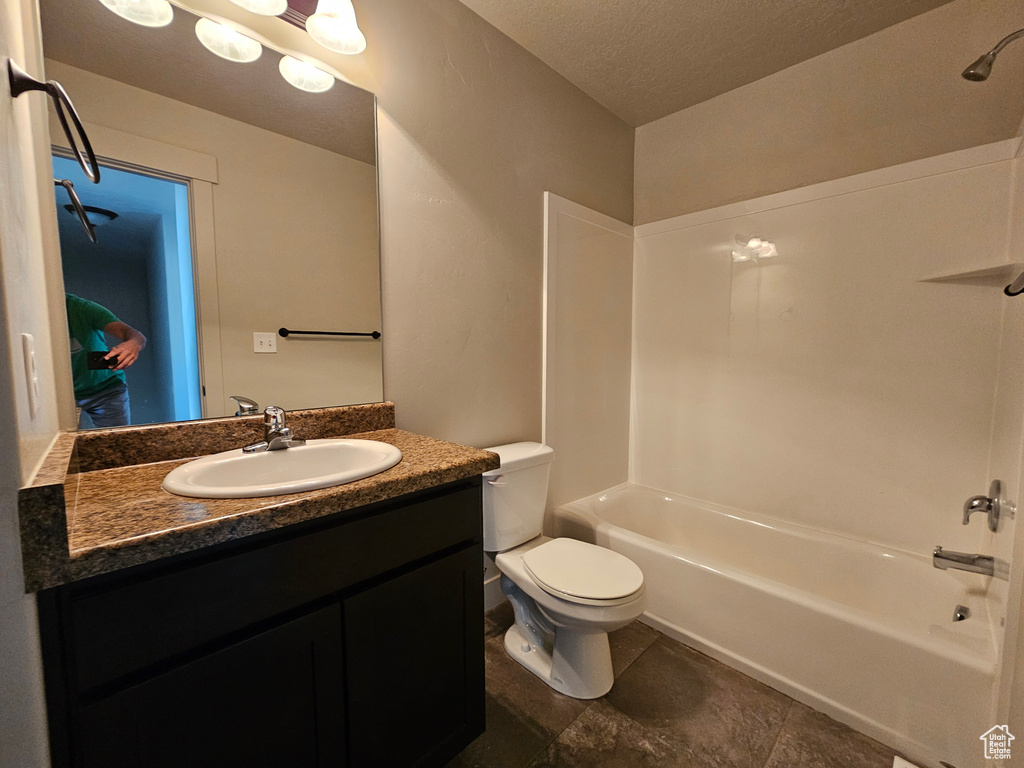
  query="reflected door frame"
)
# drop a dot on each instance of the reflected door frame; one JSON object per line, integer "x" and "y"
{"x": 198, "y": 172}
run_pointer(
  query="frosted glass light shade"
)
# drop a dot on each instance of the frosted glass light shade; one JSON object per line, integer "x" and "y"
{"x": 148, "y": 13}
{"x": 263, "y": 7}
{"x": 226, "y": 42}
{"x": 305, "y": 76}
{"x": 334, "y": 27}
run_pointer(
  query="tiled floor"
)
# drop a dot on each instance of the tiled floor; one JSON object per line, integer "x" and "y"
{"x": 670, "y": 706}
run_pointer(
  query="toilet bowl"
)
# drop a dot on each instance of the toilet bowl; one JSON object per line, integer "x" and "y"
{"x": 563, "y": 638}
{"x": 567, "y": 595}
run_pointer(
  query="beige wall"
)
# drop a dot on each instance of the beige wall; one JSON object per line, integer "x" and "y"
{"x": 472, "y": 131}
{"x": 296, "y": 245}
{"x": 889, "y": 98}
{"x": 25, "y": 208}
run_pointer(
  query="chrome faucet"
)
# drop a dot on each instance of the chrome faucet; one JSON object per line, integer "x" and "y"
{"x": 246, "y": 407}
{"x": 276, "y": 436}
{"x": 962, "y": 561}
{"x": 993, "y": 506}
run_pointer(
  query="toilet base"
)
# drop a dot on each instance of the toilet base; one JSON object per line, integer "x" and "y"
{"x": 580, "y": 665}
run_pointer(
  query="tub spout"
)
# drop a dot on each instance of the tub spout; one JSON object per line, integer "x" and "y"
{"x": 963, "y": 561}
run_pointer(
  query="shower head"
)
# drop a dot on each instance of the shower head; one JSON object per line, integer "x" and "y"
{"x": 982, "y": 68}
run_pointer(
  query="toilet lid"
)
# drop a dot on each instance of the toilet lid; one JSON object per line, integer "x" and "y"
{"x": 571, "y": 568}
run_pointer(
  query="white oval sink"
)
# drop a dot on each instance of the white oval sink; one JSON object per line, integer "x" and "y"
{"x": 317, "y": 464}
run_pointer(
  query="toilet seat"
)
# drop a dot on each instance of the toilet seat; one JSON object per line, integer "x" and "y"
{"x": 583, "y": 573}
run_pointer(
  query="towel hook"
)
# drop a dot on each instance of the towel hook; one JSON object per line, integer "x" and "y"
{"x": 22, "y": 82}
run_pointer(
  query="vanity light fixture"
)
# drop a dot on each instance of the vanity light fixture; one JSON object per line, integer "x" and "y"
{"x": 304, "y": 75}
{"x": 338, "y": 19}
{"x": 263, "y": 7}
{"x": 226, "y": 42}
{"x": 148, "y": 13}
{"x": 334, "y": 27}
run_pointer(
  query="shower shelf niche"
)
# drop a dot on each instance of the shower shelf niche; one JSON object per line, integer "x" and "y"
{"x": 995, "y": 275}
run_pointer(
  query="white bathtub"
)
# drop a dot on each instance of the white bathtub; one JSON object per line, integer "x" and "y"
{"x": 860, "y": 632}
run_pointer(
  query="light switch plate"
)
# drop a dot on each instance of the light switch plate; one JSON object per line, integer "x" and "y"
{"x": 264, "y": 342}
{"x": 28, "y": 348}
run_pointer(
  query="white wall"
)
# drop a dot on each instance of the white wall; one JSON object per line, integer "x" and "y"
{"x": 588, "y": 324}
{"x": 829, "y": 386}
{"x": 296, "y": 245}
{"x": 1006, "y": 463}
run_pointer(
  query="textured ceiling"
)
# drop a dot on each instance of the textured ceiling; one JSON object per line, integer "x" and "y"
{"x": 172, "y": 62}
{"x": 644, "y": 59}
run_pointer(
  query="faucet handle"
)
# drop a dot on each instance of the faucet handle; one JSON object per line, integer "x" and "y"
{"x": 246, "y": 407}
{"x": 273, "y": 418}
{"x": 974, "y": 504}
{"x": 992, "y": 505}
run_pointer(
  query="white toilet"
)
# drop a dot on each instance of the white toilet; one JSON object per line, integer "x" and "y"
{"x": 567, "y": 595}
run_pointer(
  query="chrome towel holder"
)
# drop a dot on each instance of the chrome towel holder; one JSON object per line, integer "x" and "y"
{"x": 21, "y": 82}
{"x": 79, "y": 208}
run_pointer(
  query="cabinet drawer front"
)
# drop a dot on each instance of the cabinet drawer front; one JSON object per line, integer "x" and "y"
{"x": 124, "y": 629}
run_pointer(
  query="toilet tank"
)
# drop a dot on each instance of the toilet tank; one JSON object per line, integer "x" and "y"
{"x": 515, "y": 495}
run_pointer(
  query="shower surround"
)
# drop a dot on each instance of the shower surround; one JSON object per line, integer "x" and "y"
{"x": 858, "y": 386}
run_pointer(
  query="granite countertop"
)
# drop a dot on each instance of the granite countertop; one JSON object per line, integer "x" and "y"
{"x": 79, "y": 521}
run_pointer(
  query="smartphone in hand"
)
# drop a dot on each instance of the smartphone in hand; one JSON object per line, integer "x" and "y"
{"x": 96, "y": 361}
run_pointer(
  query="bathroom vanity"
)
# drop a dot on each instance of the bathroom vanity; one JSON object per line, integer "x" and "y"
{"x": 342, "y": 627}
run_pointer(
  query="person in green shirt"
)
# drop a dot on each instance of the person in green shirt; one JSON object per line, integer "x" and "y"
{"x": 103, "y": 393}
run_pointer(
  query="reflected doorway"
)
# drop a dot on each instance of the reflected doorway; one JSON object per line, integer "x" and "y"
{"x": 141, "y": 269}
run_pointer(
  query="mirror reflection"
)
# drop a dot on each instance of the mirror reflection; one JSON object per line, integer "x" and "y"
{"x": 230, "y": 205}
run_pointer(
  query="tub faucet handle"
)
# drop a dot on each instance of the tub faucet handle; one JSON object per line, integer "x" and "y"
{"x": 976, "y": 504}
{"x": 991, "y": 505}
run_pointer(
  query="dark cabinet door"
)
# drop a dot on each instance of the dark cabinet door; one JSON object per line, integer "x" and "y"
{"x": 414, "y": 665}
{"x": 270, "y": 701}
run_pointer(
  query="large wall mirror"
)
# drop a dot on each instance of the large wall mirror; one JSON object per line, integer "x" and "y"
{"x": 230, "y": 205}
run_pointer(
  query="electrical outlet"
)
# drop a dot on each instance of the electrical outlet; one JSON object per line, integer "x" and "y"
{"x": 264, "y": 342}
{"x": 28, "y": 348}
